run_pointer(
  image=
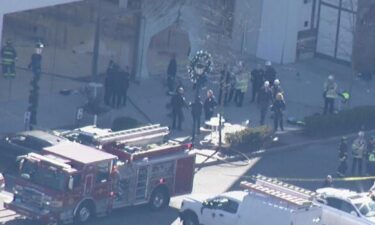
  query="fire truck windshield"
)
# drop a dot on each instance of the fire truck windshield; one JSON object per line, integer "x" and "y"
{"x": 43, "y": 175}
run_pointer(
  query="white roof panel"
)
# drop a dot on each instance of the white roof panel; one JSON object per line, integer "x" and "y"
{"x": 79, "y": 153}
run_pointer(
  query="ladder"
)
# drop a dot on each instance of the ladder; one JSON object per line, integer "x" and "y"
{"x": 141, "y": 186}
{"x": 152, "y": 133}
{"x": 277, "y": 194}
{"x": 284, "y": 187}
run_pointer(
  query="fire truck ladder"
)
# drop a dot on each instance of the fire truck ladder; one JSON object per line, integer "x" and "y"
{"x": 151, "y": 132}
{"x": 141, "y": 187}
{"x": 277, "y": 194}
{"x": 284, "y": 187}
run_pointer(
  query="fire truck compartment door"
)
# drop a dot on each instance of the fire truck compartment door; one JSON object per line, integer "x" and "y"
{"x": 184, "y": 175}
{"x": 88, "y": 184}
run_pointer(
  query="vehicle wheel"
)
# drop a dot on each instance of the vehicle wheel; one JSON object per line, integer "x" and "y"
{"x": 159, "y": 199}
{"x": 190, "y": 219}
{"x": 84, "y": 213}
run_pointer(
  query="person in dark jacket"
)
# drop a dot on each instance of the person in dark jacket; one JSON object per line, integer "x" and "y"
{"x": 224, "y": 84}
{"x": 209, "y": 105}
{"x": 171, "y": 73}
{"x": 109, "y": 83}
{"x": 264, "y": 101}
{"x": 122, "y": 85}
{"x": 278, "y": 108}
{"x": 343, "y": 157}
{"x": 269, "y": 73}
{"x": 178, "y": 103}
{"x": 257, "y": 80}
{"x": 36, "y": 62}
{"x": 196, "y": 112}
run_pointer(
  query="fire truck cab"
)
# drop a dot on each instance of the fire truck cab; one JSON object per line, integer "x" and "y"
{"x": 71, "y": 182}
{"x": 67, "y": 182}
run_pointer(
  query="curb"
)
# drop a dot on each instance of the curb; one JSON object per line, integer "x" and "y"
{"x": 263, "y": 152}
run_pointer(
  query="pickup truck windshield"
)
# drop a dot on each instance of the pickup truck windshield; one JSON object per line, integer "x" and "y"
{"x": 43, "y": 175}
{"x": 367, "y": 209}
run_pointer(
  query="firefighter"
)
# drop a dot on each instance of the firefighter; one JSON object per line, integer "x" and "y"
{"x": 269, "y": 73}
{"x": 358, "y": 152}
{"x": 264, "y": 101}
{"x": 329, "y": 94}
{"x": 9, "y": 56}
{"x": 343, "y": 157}
{"x": 36, "y": 60}
{"x": 328, "y": 182}
{"x": 370, "y": 159}
{"x": 242, "y": 80}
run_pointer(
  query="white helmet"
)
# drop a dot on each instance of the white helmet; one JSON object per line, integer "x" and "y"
{"x": 277, "y": 82}
{"x": 266, "y": 83}
{"x": 361, "y": 134}
{"x": 331, "y": 77}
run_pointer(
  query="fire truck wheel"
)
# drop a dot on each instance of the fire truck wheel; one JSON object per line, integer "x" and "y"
{"x": 159, "y": 198}
{"x": 190, "y": 219}
{"x": 84, "y": 213}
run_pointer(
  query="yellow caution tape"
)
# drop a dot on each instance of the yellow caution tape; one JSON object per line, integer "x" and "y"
{"x": 314, "y": 179}
{"x": 323, "y": 179}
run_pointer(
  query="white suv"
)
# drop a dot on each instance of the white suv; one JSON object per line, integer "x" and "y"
{"x": 345, "y": 207}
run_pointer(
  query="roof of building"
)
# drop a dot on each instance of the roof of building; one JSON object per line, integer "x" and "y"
{"x": 79, "y": 153}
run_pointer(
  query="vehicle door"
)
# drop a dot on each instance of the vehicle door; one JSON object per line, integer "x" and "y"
{"x": 352, "y": 215}
{"x": 102, "y": 185}
{"x": 345, "y": 213}
{"x": 220, "y": 211}
{"x": 332, "y": 211}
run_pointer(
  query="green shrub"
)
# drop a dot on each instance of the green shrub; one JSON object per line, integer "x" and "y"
{"x": 346, "y": 121}
{"x": 123, "y": 123}
{"x": 249, "y": 139}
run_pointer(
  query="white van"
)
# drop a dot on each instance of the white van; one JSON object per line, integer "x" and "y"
{"x": 247, "y": 207}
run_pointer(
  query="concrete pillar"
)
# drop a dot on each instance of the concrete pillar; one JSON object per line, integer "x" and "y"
{"x": 247, "y": 21}
{"x": 278, "y": 35}
{"x": 123, "y": 4}
{"x": 1, "y": 28}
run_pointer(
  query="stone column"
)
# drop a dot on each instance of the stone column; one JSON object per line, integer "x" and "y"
{"x": 1, "y": 28}
{"x": 123, "y": 4}
{"x": 278, "y": 35}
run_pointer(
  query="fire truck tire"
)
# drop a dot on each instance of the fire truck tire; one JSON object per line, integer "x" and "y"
{"x": 190, "y": 219}
{"x": 159, "y": 198}
{"x": 84, "y": 213}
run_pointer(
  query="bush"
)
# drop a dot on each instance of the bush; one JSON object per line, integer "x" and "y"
{"x": 124, "y": 123}
{"x": 346, "y": 121}
{"x": 249, "y": 139}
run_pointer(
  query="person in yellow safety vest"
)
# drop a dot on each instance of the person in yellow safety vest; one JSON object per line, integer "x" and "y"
{"x": 9, "y": 56}
{"x": 242, "y": 81}
{"x": 329, "y": 94}
{"x": 370, "y": 157}
{"x": 358, "y": 152}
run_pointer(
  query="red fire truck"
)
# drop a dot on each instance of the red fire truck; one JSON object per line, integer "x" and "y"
{"x": 71, "y": 182}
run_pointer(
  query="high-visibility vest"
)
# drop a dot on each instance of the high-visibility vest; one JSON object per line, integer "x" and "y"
{"x": 8, "y": 55}
{"x": 242, "y": 82}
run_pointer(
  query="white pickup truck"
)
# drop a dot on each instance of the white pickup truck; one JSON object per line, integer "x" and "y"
{"x": 244, "y": 208}
{"x": 345, "y": 207}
